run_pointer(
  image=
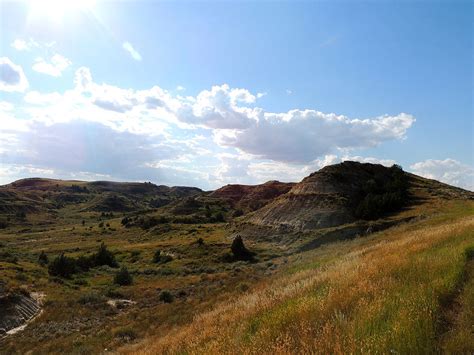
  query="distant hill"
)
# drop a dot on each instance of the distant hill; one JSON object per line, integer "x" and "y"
{"x": 36, "y": 195}
{"x": 252, "y": 197}
{"x": 342, "y": 193}
{"x": 333, "y": 196}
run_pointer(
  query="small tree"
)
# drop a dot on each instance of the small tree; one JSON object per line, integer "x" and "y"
{"x": 123, "y": 277}
{"x": 105, "y": 257}
{"x": 166, "y": 296}
{"x": 43, "y": 259}
{"x": 219, "y": 217}
{"x": 239, "y": 250}
{"x": 157, "y": 256}
{"x": 62, "y": 266}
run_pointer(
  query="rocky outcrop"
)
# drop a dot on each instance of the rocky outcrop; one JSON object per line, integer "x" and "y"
{"x": 252, "y": 197}
{"x": 16, "y": 309}
{"x": 321, "y": 200}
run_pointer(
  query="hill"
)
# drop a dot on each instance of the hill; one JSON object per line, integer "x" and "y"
{"x": 343, "y": 193}
{"x": 354, "y": 258}
{"x": 252, "y": 197}
{"x": 48, "y": 196}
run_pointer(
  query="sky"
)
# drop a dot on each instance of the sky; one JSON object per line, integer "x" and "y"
{"x": 210, "y": 93}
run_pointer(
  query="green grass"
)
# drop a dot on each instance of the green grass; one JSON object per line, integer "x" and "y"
{"x": 387, "y": 293}
{"x": 365, "y": 295}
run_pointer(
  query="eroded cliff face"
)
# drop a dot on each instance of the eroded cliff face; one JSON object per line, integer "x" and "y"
{"x": 321, "y": 200}
{"x": 252, "y": 197}
{"x": 16, "y": 309}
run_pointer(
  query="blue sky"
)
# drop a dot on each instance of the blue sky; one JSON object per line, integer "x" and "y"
{"x": 209, "y": 93}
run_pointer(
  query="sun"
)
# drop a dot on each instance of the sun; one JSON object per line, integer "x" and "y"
{"x": 55, "y": 10}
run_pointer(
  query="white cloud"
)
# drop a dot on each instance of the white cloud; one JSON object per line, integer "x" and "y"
{"x": 12, "y": 77}
{"x": 218, "y": 136}
{"x": 289, "y": 92}
{"x": 22, "y": 45}
{"x": 449, "y": 171}
{"x": 54, "y": 67}
{"x": 218, "y": 108}
{"x": 301, "y": 136}
{"x": 129, "y": 48}
{"x": 37, "y": 98}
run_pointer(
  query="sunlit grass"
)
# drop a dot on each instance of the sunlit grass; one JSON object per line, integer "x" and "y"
{"x": 385, "y": 295}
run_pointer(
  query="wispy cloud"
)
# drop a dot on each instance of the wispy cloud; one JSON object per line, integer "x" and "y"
{"x": 448, "y": 170}
{"x": 329, "y": 41}
{"x": 132, "y": 51}
{"x": 22, "y": 45}
{"x": 54, "y": 67}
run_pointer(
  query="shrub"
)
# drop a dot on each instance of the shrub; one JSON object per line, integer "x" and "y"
{"x": 165, "y": 296}
{"x": 243, "y": 287}
{"x": 84, "y": 263}
{"x": 200, "y": 241}
{"x": 239, "y": 251}
{"x": 125, "y": 334}
{"x": 114, "y": 293}
{"x": 382, "y": 195}
{"x": 104, "y": 257}
{"x": 62, "y": 266}
{"x": 43, "y": 259}
{"x": 218, "y": 217}
{"x": 157, "y": 256}
{"x": 165, "y": 258}
{"x": 91, "y": 298}
{"x": 125, "y": 221}
{"x": 123, "y": 277}
{"x": 238, "y": 213}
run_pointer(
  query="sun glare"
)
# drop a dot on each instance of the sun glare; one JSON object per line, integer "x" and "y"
{"x": 55, "y": 10}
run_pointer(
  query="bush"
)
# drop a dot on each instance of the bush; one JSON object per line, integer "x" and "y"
{"x": 123, "y": 277}
{"x": 125, "y": 221}
{"x": 166, "y": 296}
{"x": 62, "y": 266}
{"x": 114, "y": 293}
{"x": 104, "y": 257}
{"x": 84, "y": 263}
{"x": 382, "y": 195}
{"x": 43, "y": 259}
{"x": 91, "y": 298}
{"x": 218, "y": 217}
{"x": 238, "y": 213}
{"x": 239, "y": 250}
{"x": 161, "y": 258}
{"x": 125, "y": 334}
{"x": 157, "y": 256}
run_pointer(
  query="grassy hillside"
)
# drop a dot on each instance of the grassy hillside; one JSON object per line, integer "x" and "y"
{"x": 405, "y": 290}
{"x": 357, "y": 287}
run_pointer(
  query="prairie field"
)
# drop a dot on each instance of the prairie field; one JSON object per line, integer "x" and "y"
{"x": 408, "y": 289}
{"x": 406, "y": 286}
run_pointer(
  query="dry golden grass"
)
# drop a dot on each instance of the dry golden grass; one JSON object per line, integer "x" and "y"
{"x": 384, "y": 295}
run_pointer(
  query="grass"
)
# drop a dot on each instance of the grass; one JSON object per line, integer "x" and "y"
{"x": 76, "y": 318}
{"x": 383, "y": 294}
{"x": 408, "y": 289}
